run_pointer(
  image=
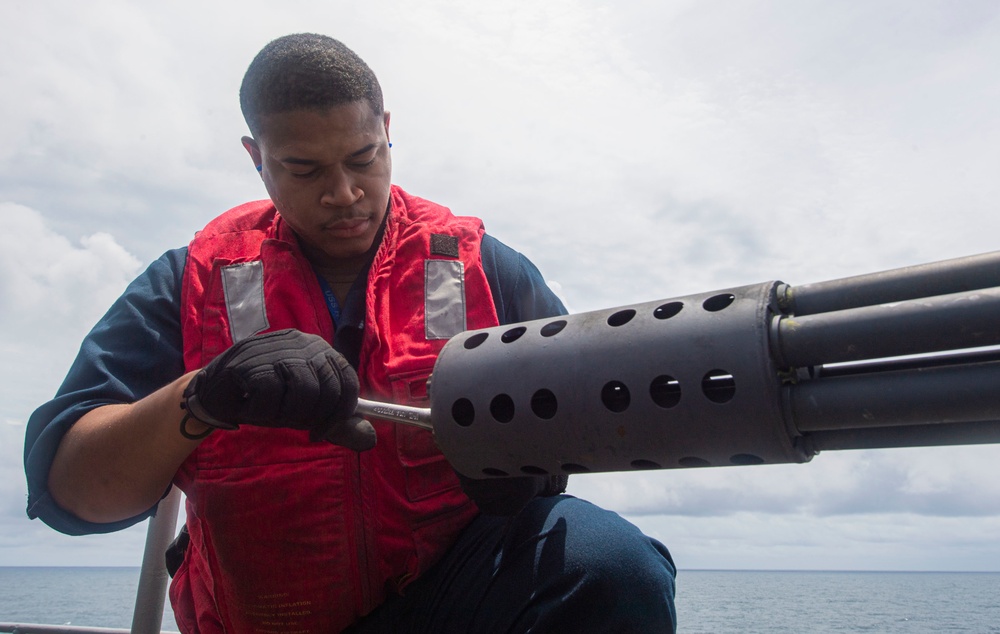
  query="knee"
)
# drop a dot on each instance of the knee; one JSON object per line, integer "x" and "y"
{"x": 607, "y": 545}
{"x": 611, "y": 559}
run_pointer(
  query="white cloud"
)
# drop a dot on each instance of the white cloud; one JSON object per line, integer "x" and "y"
{"x": 48, "y": 284}
{"x": 903, "y": 509}
{"x": 942, "y": 482}
{"x": 51, "y": 293}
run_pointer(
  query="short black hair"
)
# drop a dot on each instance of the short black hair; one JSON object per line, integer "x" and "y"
{"x": 305, "y": 71}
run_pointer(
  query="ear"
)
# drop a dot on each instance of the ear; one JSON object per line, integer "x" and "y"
{"x": 253, "y": 150}
{"x": 385, "y": 122}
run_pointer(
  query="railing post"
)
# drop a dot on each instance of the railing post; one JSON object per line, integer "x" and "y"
{"x": 152, "y": 590}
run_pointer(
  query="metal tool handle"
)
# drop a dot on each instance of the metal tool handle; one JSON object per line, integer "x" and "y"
{"x": 415, "y": 416}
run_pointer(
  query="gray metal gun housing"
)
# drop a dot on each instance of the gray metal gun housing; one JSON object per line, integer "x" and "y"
{"x": 759, "y": 374}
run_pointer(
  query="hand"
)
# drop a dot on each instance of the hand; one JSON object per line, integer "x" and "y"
{"x": 284, "y": 378}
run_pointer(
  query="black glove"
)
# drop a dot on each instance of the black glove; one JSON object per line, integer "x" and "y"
{"x": 284, "y": 378}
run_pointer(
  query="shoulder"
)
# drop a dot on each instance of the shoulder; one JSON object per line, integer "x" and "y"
{"x": 520, "y": 293}
{"x": 163, "y": 275}
{"x": 518, "y": 288}
{"x": 255, "y": 215}
{"x": 426, "y": 214}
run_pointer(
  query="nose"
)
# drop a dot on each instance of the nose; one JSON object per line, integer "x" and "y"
{"x": 340, "y": 190}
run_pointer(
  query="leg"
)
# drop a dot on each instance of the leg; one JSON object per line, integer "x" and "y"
{"x": 561, "y": 565}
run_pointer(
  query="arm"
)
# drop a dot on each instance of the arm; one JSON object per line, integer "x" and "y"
{"x": 117, "y": 460}
{"x": 132, "y": 352}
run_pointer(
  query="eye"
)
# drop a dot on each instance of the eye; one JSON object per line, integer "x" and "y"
{"x": 364, "y": 164}
{"x": 305, "y": 175}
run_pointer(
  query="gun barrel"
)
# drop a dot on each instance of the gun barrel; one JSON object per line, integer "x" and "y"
{"x": 977, "y": 433}
{"x": 923, "y": 280}
{"x": 932, "y": 324}
{"x": 937, "y": 395}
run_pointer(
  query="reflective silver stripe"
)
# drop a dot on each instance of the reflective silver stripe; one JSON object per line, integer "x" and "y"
{"x": 243, "y": 286}
{"x": 444, "y": 298}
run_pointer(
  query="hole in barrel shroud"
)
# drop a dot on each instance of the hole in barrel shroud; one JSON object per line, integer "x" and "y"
{"x": 475, "y": 340}
{"x": 621, "y": 318}
{"x": 718, "y": 302}
{"x": 543, "y": 404}
{"x": 553, "y": 328}
{"x": 513, "y": 334}
{"x": 463, "y": 412}
{"x": 665, "y": 391}
{"x": 668, "y": 310}
{"x": 615, "y": 396}
{"x": 502, "y": 408}
{"x": 718, "y": 386}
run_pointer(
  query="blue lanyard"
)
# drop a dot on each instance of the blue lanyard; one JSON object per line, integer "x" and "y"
{"x": 331, "y": 300}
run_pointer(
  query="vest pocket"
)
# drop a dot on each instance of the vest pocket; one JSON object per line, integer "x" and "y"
{"x": 427, "y": 472}
{"x": 284, "y": 518}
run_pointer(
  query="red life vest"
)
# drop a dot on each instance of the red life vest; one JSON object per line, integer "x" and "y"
{"x": 292, "y": 536}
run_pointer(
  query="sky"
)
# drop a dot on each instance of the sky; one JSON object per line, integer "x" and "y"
{"x": 633, "y": 151}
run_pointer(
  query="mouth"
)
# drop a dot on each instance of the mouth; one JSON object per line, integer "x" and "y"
{"x": 348, "y": 228}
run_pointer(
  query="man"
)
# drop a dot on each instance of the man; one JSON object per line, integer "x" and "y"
{"x": 215, "y": 371}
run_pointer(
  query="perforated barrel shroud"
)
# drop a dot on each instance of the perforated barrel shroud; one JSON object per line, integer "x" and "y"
{"x": 680, "y": 383}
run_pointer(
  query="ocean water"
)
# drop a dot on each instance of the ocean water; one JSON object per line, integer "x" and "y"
{"x": 822, "y": 602}
{"x": 94, "y": 597}
{"x": 708, "y": 601}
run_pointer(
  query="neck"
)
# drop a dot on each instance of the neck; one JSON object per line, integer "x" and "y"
{"x": 339, "y": 272}
{"x": 342, "y": 269}
{"x": 340, "y": 275}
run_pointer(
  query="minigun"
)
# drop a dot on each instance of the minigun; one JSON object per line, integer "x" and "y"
{"x": 761, "y": 374}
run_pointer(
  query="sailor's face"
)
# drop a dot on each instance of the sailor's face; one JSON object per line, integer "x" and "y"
{"x": 328, "y": 173}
